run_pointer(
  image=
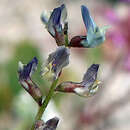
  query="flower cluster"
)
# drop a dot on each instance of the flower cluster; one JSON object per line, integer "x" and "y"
{"x": 57, "y": 26}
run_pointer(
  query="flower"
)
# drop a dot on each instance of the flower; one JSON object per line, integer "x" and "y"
{"x": 88, "y": 87}
{"x": 51, "y": 124}
{"x": 25, "y": 72}
{"x": 55, "y": 23}
{"x": 95, "y": 35}
{"x": 55, "y": 62}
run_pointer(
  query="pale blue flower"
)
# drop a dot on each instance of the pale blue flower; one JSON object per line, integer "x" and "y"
{"x": 95, "y": 35}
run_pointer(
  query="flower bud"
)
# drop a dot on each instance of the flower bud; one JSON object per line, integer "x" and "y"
{"x": 25, "y": 72}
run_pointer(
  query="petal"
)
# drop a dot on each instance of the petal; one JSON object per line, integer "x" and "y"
{"x": 61, "y": 58}
{"x": 55, "y": 16}
{"x": 45, "y": 17}
{"x": 88, "y": 21}
{"x": 58, "y": 15}
{"x": 63, "y": 14}
{"x": 51, "y": 124}
{"x": 25, "y": 71}
{"x": 90, "y": 76}
{"x": 88, "y": 92}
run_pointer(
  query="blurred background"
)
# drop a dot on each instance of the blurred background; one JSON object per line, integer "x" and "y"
{"x": 23, "y": 36}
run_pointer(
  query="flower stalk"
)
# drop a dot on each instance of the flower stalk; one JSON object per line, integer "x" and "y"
{"x": 57, "y": 26}
{"x": 45, "y": 103}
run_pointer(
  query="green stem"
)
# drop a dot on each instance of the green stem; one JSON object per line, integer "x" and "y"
{"x": 45, "y": 103}
{"x": 66, "y": 40}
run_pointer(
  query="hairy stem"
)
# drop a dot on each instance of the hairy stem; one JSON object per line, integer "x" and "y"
{"x": 45, "y": 103}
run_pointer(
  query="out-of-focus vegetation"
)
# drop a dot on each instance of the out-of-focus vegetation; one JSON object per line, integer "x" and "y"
{"x": 9, "y": 85}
